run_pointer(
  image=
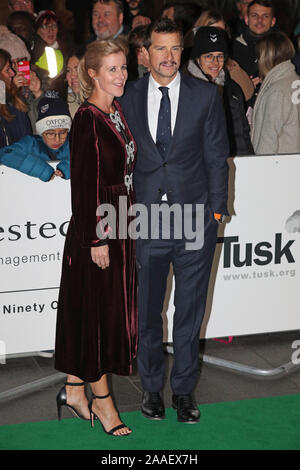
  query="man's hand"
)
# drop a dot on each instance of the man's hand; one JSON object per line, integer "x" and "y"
{"x": 100, "y": 256}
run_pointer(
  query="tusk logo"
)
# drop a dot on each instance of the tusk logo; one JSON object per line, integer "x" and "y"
{"x": 261, "y": 254}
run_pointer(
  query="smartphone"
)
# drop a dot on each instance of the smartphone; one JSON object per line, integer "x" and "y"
{"x": 24, "y": 66}
{"x": 2, "y": 92}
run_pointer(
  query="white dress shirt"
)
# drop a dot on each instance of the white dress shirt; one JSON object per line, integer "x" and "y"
{"x": 154, "y": 98}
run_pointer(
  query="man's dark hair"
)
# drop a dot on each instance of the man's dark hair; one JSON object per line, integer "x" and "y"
{"x": 21, "y": 16}
{"x": 164, "y": 26}
{"x": 185, "y": 13}
{"x": 118, "y": 3}
{"x": 263, "y": 3}
{"x": 136, "y": 37}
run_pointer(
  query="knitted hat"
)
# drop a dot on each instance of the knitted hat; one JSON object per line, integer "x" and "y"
{"x": 53, "y": 113}
{"x": 13, "y": 44}
{"x": 209, "y": 39}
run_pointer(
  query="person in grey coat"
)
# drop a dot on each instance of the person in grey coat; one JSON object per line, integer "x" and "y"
{"x": 275, "y": 125}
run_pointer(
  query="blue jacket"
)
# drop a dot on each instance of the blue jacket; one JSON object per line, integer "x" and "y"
{"x": 30, "y": 156}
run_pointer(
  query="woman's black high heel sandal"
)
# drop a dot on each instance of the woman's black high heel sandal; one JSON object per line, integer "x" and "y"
{"x": 93, "y": 417}
{"x": 61, "y": 400}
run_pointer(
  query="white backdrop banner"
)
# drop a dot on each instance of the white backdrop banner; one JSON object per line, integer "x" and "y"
{"x": 33, "y": 223}
{"x": 255, "y": 281}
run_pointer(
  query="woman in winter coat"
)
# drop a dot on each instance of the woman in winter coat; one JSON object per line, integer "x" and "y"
{"x": 276, "y": 115}
{"x": 31, "y": 154}
{"x": 209, "y": 54}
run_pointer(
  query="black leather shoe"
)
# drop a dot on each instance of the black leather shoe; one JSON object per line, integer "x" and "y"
{"x": 153, "y": 406}
{"x": 187, "y": 410}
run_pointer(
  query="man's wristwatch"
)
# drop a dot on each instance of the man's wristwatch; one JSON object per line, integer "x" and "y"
{"x": 220, "y": 218}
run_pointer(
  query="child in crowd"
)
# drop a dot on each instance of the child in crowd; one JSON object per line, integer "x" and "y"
{"x": 31, "y": 154}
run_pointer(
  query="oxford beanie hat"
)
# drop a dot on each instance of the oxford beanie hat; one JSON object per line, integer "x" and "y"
{"x": 53, "y": 113}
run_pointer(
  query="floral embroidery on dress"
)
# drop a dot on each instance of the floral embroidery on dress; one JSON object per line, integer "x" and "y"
{"x": 130, "y": 152}
{"x": 116, "y": 119}
{"x": 130, "y": 149}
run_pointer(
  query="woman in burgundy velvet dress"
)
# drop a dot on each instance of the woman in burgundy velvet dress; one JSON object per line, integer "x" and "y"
{"x": 96, "y": 331}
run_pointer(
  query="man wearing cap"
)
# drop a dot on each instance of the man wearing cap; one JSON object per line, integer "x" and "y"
{"x": 31, "y": 154}
{"x": 179, "y": 127}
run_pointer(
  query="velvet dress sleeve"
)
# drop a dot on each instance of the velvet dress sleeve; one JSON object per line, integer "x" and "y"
{"x": 85, "y": 177}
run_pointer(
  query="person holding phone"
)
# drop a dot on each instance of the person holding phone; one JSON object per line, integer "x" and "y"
{"x": 14, "y": 121}
{"x": 18, "y": 51}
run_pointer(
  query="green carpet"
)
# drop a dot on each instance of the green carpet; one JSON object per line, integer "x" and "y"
{"x": 260, "y": 424}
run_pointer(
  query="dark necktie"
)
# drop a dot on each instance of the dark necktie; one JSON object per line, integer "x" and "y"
{"x": 163, "y": 134}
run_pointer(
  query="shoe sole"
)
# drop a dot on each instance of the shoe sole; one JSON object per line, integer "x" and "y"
{"x": 153, "y": 418}
{"x": 188, "y": 422}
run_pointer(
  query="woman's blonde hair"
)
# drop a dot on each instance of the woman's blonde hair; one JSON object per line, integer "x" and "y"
{"x": 11, "y": 89}
{"x": 209, "y": 17}
{"x": 275, "y": 48}
{"x": 92, "y": 59}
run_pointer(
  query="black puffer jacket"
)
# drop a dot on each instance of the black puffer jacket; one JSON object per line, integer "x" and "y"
{"x": 238, "y": 128}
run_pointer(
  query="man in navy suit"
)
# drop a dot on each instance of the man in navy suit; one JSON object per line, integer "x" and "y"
{"x": 179, "y": 128}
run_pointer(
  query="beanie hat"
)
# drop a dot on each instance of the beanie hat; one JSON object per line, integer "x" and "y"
{"x": 53, "y": 113}
{"x": 209, "y": 39}
{"x": 12, "y": 44}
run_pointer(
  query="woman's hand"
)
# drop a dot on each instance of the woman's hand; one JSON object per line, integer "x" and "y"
{"x": 19, "y": 79}
{"x": 35, "y": 84}
{"x": 100, "y": 256}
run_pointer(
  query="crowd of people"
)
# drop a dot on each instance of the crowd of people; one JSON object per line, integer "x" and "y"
{"x": 167, "y": 98}
{"x": 237, "y": 56}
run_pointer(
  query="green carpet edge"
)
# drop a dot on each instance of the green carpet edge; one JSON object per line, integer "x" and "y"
{"x": 254, "y": 424}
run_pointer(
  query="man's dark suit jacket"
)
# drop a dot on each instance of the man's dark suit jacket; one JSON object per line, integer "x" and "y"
{"x": 195, "y": 169}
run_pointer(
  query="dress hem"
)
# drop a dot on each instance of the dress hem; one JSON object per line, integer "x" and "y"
{"x": 68, "y": 371}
